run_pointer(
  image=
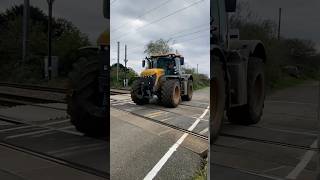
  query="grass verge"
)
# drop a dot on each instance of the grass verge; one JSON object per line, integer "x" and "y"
{"x": 202, "y": 173}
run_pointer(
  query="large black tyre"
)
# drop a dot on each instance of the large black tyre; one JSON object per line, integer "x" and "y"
{"x": 83, "y": 100}
{"x": 136, "y": 94}
{"x": 251, "y": 113}
{"x": 170, "y": 93}
{"x": 188, "y": 97}
{"x": 217, "y": 98}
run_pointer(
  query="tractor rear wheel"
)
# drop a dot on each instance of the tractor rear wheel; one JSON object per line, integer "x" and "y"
{"x": 136, "y": 94}
{"x": 170, "y": 93}
{"x": 217, "y": 98}
{"x": 188, "y": 97}
{"x": 251, "y": 113}
{"x": 83, "y": 99}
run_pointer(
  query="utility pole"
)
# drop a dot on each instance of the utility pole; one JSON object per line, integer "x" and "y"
{"x": 125, "y": 66}
{"x": 197, "y": 68}
{"x": 279, "y": 24}
{"x": 50, "y": 4}
{"x": 118, "y": 61}
{"x": 26, "y": 14}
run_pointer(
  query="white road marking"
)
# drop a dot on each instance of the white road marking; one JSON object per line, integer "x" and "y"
{"x": 121, "y": 100}
{"x": 74, "y": 148}
{"x": 273, "y": 169}
{"x": 290, "y": 102}
{"x": 58, "y": 122}
{"x": 29, "y": 133}
{"x": 290, "y": 131}
{"x": 303, "y": 163}
{"x": 166, "y": 119}
{"x": 16, "y": 128}
{"x": 262, "y": 175}
{"x": 202, "y": 119}
{"x": 67, "y": 127}
{"x": 204, "y": 131}
{"x": 155, "y": 114}
{"x": 172, "y": 149}
{"x": 39, "y": 132}
{"x": 121, "y": 103}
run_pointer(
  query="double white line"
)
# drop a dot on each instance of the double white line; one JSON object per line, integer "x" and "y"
{"x": 172, "y": 149}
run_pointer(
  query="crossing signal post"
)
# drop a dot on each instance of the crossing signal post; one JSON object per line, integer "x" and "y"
{"x": 50, "y": 4}
{"x": 26, "y": 14}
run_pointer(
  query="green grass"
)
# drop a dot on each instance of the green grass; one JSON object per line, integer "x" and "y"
{"x": 198, "y": 86}
{"x": 285, "y": 82}
{"x": 202, "y": 173}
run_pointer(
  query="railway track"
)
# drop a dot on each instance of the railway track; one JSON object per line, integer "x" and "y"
{"x": 43, "y": 155}
{"x": 9, "y": 99}
{"x": 119, "y": 91}
{"x": 23, "y": 100}
{"x": 168, "y": 125}
{"x": 223, "y": 134}
{"x": 33, "y": 87}
{"x": 57, "y": 160}
{"x": 153, "y": 107}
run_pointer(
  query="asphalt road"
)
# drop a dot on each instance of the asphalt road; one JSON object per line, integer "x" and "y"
{"x": 282, "y": 146}
{"x": 143, "y": 146}
{"x": 43, "y": 144}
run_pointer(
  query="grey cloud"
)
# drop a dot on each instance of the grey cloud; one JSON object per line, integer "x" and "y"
{"x": 300, "y": 18}
{"x": 195, "y": 51}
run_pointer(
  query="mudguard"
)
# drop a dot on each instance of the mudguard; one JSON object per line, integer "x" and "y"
{"x": 249, "y": 48}
{"x": 187, "y": 76}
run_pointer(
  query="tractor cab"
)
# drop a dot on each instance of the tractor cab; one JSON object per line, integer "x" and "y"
{"x": 170, "y": 63}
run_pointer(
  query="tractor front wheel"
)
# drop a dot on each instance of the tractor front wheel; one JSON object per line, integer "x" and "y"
{"x": 83, "y": 99}
{"x": 217, "y": 98}
{"x": 251, "y": 113}
{"x": 137, "y": 94}
{"x": 170, "y": 93}
{"x": 188, "y": 97}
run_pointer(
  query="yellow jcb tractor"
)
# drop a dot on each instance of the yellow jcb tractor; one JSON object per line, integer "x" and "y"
{"x": 164, "y": 78}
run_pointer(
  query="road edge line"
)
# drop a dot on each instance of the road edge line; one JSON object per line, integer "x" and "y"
{"x": 154, "y": 171}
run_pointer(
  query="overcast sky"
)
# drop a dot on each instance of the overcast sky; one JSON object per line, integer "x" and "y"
{"x": 130, "y": 23}
{"x": 300, "y": 18}
{"x": 85, "y": 14}
{"x": 135, "y": 23}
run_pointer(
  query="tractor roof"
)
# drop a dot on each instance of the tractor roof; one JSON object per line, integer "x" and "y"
{"x": 166, "y": 55}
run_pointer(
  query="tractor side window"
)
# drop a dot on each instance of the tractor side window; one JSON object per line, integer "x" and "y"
{"x": 177, "y": 65}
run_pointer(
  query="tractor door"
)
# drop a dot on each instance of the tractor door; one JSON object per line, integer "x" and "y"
{"x": 219, "y": 23}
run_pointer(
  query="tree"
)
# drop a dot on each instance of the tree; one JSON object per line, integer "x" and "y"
{"x": 301, "y": 48}
{"x": 131, "y": 75}
{"x": 160, "y": 46}
{"x": 67, "y": 39}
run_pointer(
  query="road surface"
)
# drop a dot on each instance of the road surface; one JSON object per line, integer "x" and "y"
{"x": 38, "y": 142}
{"x": 282, "y": 146}
{"x": 146, "y": 141}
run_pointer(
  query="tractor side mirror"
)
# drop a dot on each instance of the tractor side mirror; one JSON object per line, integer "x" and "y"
{"x": 143, "y": 63}
{"x": 231, "y": 5}
{"x": 106, "y": 9}
{"x": 182, "y": 61}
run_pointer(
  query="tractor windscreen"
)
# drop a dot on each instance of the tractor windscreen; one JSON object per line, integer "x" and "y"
{"x": 162, "y": 62}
